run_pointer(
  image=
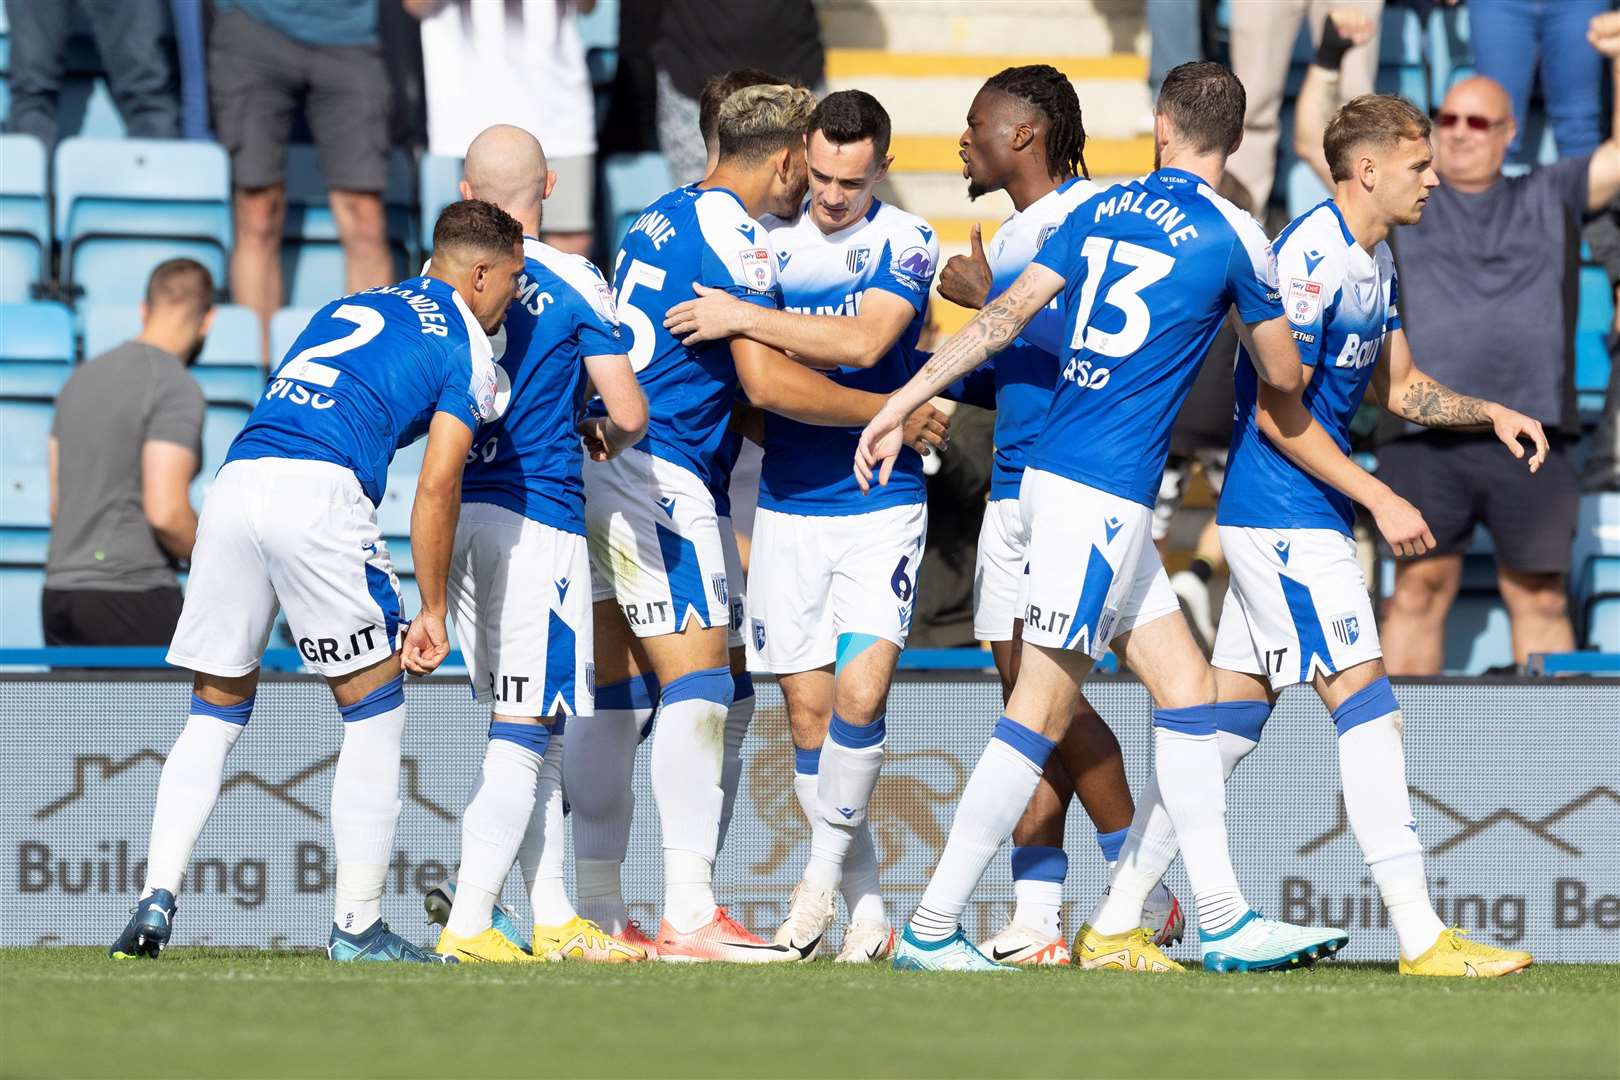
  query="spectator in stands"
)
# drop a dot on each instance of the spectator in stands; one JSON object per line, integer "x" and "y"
{"x": 1263, "y": 33}
{"x": 1514, "y": 39}
{"x": 1603, "y": 463}
{"x": 125, "y": 444}
{"x": 702, "y": 38}
{"x": 1320, "y": 93}
{"x": 525, "y": 64}
{"x": 1486, "y": 282}
{"x": 1175, "y": 37}
{"x": 134, "y": 38}
{"x": 266, "y": 58}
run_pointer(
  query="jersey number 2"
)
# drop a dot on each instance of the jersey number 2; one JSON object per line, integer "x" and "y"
{"x": 1147, "y": 266}
{"x": 368, "y": 323}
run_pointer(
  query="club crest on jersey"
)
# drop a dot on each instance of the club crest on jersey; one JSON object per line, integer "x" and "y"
{"x": 1304, "y": 302}
{"x": 590, "y": 677}
{"x": 1044, "y": 235}
{"x": 759, "y": 634}
{"x": 756, "y": 267}
{"x": 1347, "y": 629}
{"x": 855, "y": 259}
{"x": 718, "y": 583}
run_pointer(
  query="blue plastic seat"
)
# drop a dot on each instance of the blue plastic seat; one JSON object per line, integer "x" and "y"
{"x": 25, "y": 430}
{"x": 20, "y": 624}
{"x": 36, "y": 350}
{"x": 630, "y": 182}
{"x": 25, "y": 219}
{"x": 125, "y": 205}
{"x": 439, "y": 179}
{"x": 220, "y": 424}
{"x": 394, "y": 512}
{"x": 311, "y": 253}
{"x": 285, "y": 326}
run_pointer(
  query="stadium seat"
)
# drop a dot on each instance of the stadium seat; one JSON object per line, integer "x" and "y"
{"x": 285, "y": 326}
{"x": 1478, "y": 635}
{"x": 20, "y": 588}
{"x": 1450, "y": 56}
{"x": 1603, "y": 625}
{"x": 220, "y": 425}
{"x": 36, "y": 350}
{"x": 1593, "y": 320}
{"x": 25, "y": 219}
{"x": 125, "y": 205}
{"x": 311, "y": 254}
{"x": 228, "y": 369}
{"x": 394, "y": 513}
{"x": 439, "y": 178}
{"x": 25, "y": 427}
{"x": 631, "y": 181}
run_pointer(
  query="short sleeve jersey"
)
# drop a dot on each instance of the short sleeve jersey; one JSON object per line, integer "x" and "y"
{"x": 1150, "y": 268}
{"x": 1340, "y": 302}
{"x": 1027, "y": 370}
{"x": 691, "y": 235}
{"x": 529, "y": 461}
{"x": 807, "y": 467}
{"x": 366, "y": 376}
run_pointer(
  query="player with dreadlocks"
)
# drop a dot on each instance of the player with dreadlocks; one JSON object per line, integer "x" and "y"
{"x": 1025, "y": 136}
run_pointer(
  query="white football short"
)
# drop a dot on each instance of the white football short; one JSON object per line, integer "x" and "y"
{"x": 1093, "y": 569}
{"x": 736, "y": 585}
{"x": 1297, "y": 605}
{"x": 815, "y": 577}
{"x": 520, "y": 599}
{"x": 999, "y": 581}
{"x": 300, "y": 535}
{"x": 655, "y": 544}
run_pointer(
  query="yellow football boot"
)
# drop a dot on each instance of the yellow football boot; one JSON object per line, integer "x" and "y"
{"x": 486, "y": 947}
{"x": 1453, "y": 955}
{"x": 1131, "y": 951}
{"x": 581, "y": 939}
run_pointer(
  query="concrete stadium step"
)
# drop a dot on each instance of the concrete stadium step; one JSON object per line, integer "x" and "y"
{"x": 1086, "y": 27}
{"x": 929, "y": 93}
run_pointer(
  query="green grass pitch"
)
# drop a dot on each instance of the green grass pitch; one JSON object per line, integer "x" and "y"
{"x": 204, "y": 1012}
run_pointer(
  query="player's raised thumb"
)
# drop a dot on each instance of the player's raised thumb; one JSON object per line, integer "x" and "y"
{"x": 977, "y": 240}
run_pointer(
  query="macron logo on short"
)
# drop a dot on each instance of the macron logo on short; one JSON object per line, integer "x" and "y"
{"x": 1282, "y": 551}
{"x": 667, "y": 503}
{"x": 1112, "y": 526}
{"x": 562, "y": 590}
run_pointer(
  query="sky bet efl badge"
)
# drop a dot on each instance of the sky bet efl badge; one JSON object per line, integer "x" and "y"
{"x": 1304, "y": 302}
{"x": 756, "y": 264}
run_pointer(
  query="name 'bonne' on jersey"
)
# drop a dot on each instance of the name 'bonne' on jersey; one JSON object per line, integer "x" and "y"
{"x": 806, "y": 468}
{"x": 365, "y": 377}
{"x": 529, "y": 461}
{"x": 690, "y": 235}
{"x": 1150, "y": 269}
{"x": 1340, "y": 301}
{"x": 1024, "y": 373}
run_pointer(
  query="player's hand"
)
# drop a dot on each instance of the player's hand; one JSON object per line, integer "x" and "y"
{"x": 1512, "y": 426}
{"x": 928, "y": 429}
{"x": 426, "y": 644}
{"x": 714, "y": 316}
{"x": 879, "y": 446}
{"x": 593, "y": 435}
{"x": 1604, "y": 33}
{"x": 965, "y": 279}
{"x": 1402, "y": 527}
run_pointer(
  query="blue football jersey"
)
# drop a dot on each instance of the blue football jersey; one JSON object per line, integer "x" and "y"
{"x": 807, "y": 466}
{"x": 690, "y": 235}
{"x": 1340, "y": 301}
{"x": 1026, "y": 371}
{"x": 1150, "y": 269}
{"x": 366, "y": 376}
{"x": 530, "y": 461}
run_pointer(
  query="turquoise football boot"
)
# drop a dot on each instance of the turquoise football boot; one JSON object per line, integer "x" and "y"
{"x": 955, "y": 953}
{"x": 148, "y": 929}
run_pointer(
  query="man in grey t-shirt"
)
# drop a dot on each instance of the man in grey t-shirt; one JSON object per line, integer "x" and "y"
{"x": 125, "y": 443}
{"x": 1488, "y": 303}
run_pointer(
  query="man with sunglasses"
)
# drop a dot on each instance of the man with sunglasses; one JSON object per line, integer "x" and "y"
{"x": 1488, "y": 277}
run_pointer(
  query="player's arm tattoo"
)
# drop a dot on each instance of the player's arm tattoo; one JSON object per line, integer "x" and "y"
{"x": 1429, "y": 403}
{"x": 989, "y": 331}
